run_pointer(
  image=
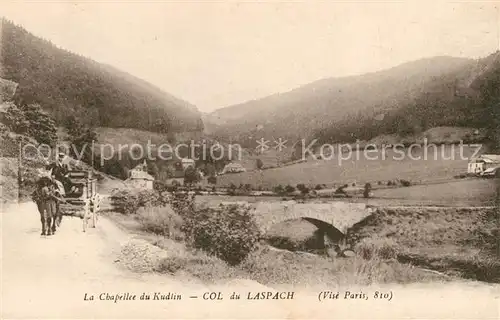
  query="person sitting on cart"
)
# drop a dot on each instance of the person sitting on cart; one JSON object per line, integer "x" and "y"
{"x": 60, "y": 172}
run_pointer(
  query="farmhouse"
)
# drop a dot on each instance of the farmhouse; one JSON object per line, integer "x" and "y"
{"x": 486, "y": 161}
{"x": 186, "y": 163}
{"x": 176, "y": 179}
{"x": 233, "y": 168}
{"x": 140, "y": 178}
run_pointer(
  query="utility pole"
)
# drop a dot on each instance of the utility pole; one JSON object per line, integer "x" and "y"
{"x": 19, "y": 172}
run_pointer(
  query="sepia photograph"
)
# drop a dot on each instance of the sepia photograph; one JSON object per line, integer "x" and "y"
{"x": 250, "y": 159}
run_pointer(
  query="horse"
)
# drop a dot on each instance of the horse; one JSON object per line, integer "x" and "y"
{"x": 47, "y": 202}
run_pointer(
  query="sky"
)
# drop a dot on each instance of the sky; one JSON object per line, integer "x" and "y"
{"x": 219, "y": 53}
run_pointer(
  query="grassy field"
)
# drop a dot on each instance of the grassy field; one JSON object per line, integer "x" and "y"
{"x": 474, "y": 192}
{"x": 421, "y": 169}
{"x": 459, "y": 241}
{"x": 456, "y": 192}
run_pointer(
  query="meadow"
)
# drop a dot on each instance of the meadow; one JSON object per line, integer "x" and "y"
{"x": 440, "y": 165}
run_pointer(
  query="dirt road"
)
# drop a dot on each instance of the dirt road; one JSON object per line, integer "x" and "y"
{"x": 49, "y": 277}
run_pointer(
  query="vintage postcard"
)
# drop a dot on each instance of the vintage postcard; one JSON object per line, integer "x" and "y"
{"x": 250, "y": 160}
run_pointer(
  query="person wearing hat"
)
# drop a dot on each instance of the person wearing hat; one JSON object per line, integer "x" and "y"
{"x": 60, "y": 171}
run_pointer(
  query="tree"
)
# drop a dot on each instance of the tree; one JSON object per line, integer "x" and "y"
{"x": 367, "y": 190}
{"x": 74, "y": 126}
{"x": 259, "y": 164}
{"x": 302, "y": 188}
{"x": 31, "y": 120}
{"x": 153, "y": 169}
{"x": 161, "y": 125}
{"x": 82, "y": 146}
{"x": 191, "y": 176}
{"x": 289, "y": 189}
{"x": 13, "y": 118}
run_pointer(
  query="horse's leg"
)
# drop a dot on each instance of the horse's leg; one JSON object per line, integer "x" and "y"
{"x": 49, "y": 224}
{"x": 44, "y": 221}
{"x": 53, "y": 208}
{"x": 53, "y": 224}
{"x": 58, "y": 214}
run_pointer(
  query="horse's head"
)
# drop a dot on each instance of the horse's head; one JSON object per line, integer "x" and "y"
{"x": 45, "y": 185}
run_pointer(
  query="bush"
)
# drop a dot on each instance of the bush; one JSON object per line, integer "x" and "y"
{"x": 129, "y": 201}
{"x": 198, "y": 264}
{"x": 302, "y": 188}
{"x": 172, "y": 264}
{"x": 278, "y": 189}
{"x": 318, "y": 187}
{"x": 384, "y": 249}
{"x": 367, "y": 190}
{"x": 405, "y": 183}
{"x": 289, "y": 189}
{"x": 228, "y": 232}
{"x": 161, "y": 220}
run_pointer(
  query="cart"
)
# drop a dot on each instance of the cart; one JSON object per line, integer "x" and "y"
{"x": 83, "y": 201}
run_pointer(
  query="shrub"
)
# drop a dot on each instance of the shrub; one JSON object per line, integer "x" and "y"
{"x": 289, "y": 189}
{"x": 318, "y": 187}
{"x": 259, "y": 164}
{"x": 405, "y": 183}
{"x": 172, "y": 264}
{"x": 232, "y": 189}
{"x": 129, "y": 201}
{"x": 228, "y": 232}
{"x": 198, "y": 264}
{"x": 212, "y": 180}
{"x": 383, "y": 248}
{"x": 302, "y": 188}
{"x": 161, "y": 220}
{"x": 191, "y": 176}
{"x": 278, "y": 189}
{"x": 183, "y": 204}
{"x": 367, "y": 190}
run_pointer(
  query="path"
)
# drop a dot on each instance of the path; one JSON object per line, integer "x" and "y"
{"x": 47, "y": 277}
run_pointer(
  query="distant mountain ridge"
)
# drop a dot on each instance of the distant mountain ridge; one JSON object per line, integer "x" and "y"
{"x": 64, "y": 84}
{"x": 406, "y": 99}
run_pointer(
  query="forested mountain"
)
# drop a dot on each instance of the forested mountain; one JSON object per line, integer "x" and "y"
{"x": 407, "y": 99}
{"x": 67, "y": 84}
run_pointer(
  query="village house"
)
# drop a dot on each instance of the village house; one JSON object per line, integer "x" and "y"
{"x": 186, "y": 163}
{"x": 233, "y": 167}
{"x": 176, "y": 179}
{"x": 139, "y": 177}
{"x": 482, "y": 163}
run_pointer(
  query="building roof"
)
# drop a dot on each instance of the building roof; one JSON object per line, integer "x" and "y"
{"x": 141, "y": 175}
{"x": 234, "y": 165}
{"x": 488, "y": 158}
{"x": 141, "y": 167}
{"x": 491, "y": 170}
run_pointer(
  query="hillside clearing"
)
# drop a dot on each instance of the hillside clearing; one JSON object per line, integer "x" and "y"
{"x": 426, "y": 166}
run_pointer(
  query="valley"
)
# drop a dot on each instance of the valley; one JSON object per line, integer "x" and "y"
{"x": 405, "y": 205}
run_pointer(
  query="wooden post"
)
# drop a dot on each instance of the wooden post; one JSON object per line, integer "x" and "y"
{"x": 19, "y": 172}
{"x": 92, "y": 154}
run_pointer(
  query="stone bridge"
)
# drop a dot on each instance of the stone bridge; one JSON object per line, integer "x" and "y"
{"x": 340, "y": 215}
